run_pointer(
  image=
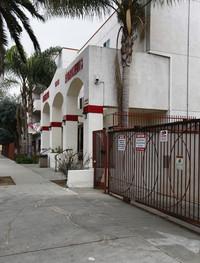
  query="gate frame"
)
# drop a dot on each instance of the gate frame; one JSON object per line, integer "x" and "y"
{"x": 191, "y": 217}
{"x": 102, "y": 185}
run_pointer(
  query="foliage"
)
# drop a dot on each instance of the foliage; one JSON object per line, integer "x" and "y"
{"x": 76, "y": 8}
{"x": 23, "y": 159}
{"x": 36, "y": 73}
{"x": 33, "y": 75}
{"x": 71, "y": 161}
{"x": 56, "y": 150}
{"x": 8, "y": 132}
{"x": 13, "y": 17}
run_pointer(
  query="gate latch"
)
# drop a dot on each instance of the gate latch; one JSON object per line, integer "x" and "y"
{"x": 103, "y": 151}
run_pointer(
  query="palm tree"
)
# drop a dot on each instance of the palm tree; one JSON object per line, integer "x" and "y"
{"x": 12, "y": 16}
{"x": 36, "y": 73}
{"x": 131, "y": 16}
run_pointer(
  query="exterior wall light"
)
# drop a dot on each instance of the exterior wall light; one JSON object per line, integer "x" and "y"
{"x": 85, "y": 115}
{"x": 64, "y": 122}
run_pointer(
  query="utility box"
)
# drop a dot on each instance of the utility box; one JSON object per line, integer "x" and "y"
{"x": 43, "y": 160}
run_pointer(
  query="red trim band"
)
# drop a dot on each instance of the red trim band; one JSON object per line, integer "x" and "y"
{"x": 93, "y": 109}
{"x": 70, "y": 118}
{"x": 44, "y": 128}
{"x": 46, "y": 96}
{"x": 56, "y": 124}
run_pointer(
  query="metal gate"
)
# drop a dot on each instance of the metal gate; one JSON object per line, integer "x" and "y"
{"x": 100, "y": 159}
{"x": 158, "y": 166}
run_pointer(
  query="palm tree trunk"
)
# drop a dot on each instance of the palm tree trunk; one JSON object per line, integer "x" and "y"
{"x": 126, "y": 54}
{"x": 30, "y": 114}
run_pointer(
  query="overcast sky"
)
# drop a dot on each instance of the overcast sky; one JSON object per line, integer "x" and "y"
{"x": 62, "y": 32}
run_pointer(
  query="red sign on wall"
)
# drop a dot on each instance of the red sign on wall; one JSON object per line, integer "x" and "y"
{"x": 76, "y": 68}
{"x": 57, "y": 83}
{"x": 45, "y": 97}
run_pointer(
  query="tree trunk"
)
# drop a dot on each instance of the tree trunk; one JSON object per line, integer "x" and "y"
{"x": 126, "y": 54}
{"x": 19, "y": 132}
{"x": 30, "y": 115}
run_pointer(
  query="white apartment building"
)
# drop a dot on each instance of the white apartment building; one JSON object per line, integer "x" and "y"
{"x": 165, "y": 77}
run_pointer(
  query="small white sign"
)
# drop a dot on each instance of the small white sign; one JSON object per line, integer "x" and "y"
{"x": 140, "y": 142}
{"x": 164, "y": 136}
{"x": 121, "y": 142}
{"x": 179, "y": 163}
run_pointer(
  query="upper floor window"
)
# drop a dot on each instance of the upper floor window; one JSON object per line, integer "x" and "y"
{"x": 107, "y": 43}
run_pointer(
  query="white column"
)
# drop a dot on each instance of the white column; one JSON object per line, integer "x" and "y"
{"x": 56, "y": 137}
{"x": 70, "y": 135}
{"x": 45, "y": 139}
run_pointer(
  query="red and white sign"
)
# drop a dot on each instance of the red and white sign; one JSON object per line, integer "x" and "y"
{"x": 57, "y": 83}
{"x": 164, "y": 136}
{"x": 74, "y": 70}
{"x": 140, "y": 142}
{"x": 121, "y": 143}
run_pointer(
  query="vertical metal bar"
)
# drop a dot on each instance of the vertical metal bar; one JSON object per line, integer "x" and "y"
{"x": 186, "y": 141}
{"x": 194, "y": 171}
{"x": 181, "y": 212}
{"x": 189, "y": 177}
{"x": 198, "y": 172}
{"x": 178, "y": 173}
{"x": 108, "y": 162}
{"x": 105, "y": 160}
{"x": 94, "y": 157}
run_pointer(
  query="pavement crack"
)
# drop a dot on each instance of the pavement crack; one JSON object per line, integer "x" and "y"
{"x": 41, "y": 201}
{"x": 64, "y": 212}
{"x": 58, "y": 247}
{"x": 5, "y": 243}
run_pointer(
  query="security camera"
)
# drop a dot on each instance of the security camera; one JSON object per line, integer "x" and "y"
{"x": 97, "y": 80}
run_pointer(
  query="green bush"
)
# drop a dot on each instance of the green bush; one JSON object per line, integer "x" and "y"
{"x": 23, "y": 159}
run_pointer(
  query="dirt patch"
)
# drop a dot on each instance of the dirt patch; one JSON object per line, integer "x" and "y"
{"x": 6, "y": 181}
{"x": 61, "y": 183}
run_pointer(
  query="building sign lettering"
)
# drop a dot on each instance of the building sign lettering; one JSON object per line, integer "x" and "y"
{"x": 57, "y": 83}
{"x": 74, "y": 70}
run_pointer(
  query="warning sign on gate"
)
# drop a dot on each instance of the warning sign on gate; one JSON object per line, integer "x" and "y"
{"x": 164, "y": 136}
{"x": 121, "y": 142}
{"x": 140, "y": 142}
{"x": 179, "y": 163}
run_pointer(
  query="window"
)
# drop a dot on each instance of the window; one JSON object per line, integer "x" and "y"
{"x": 107, "y": 43}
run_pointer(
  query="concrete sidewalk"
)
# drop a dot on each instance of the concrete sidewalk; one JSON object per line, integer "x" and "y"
{"x": 43, "y": 222}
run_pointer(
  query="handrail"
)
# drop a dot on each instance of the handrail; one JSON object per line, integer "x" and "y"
{"x": 45, "y": 150}
{"x": 56, "y": 160}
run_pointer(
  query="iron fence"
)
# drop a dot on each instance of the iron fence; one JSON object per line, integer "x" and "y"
{"x": 131, "y": 120}
{"x": 158, "y": 166}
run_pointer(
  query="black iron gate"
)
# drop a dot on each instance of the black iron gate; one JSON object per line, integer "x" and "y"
{"x": 158, "y": 166}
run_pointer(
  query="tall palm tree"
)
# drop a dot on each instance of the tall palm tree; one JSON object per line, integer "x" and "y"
{"x": 131, "y": 16}
{"x": 36, "y": 73}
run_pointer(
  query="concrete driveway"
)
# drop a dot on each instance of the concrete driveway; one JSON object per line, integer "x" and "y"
{"x": 42, "y": 222}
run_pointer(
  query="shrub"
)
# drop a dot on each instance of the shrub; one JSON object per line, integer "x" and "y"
{"x": 57, "y": 150}
{"x": 23, "y": 159}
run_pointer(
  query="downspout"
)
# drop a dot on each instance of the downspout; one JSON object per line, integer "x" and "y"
{"x": 188, "y": 56}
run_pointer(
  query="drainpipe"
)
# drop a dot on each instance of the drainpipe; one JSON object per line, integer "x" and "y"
{"x": 188, "y": 56}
